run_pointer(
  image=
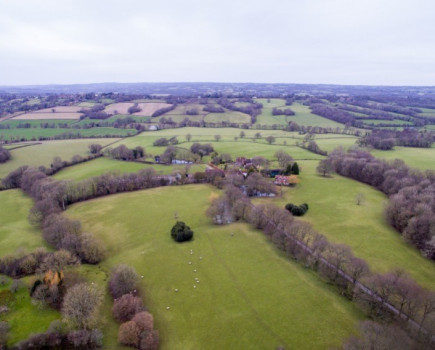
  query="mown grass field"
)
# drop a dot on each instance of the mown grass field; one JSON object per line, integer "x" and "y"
{"x": 229, "y": 117}
{"x": 100, "y": 166}
{"x": 36, "y": 133}
{"x": 249, "y": 295}
{"x": 330, "y": 143}
{"x": 16, "y": 233}
{"x": 420, "y": 158}
{"x": 43, "y": 154}
{"x": 334, "y": 213}
{"x": 303, "y": 116}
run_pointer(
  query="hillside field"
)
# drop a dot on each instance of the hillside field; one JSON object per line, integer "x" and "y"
{"x": 43, "y": 153}
{"x": 249, "y": 295}
{"x": 334, "y": 213}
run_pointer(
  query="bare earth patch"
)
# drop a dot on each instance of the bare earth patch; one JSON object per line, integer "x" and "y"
{"x": 61, "y": 109}
{"x": 147, "y": 108}
{"x": 45, "y": 116}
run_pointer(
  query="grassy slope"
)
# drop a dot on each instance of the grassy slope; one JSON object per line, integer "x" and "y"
{"x": 420, "y": 158}
{"x": 303, "y": 116}
{"x": 16, "y": 233}
{"x": 249, "y": 295}
{"x": 15, "y": 230}
{"x": 19, "y": 133}
{"x": 228, "y": 116}
{"x": 104, "y": 165}
{"x": 329, "y": 144}
{"x": 44, "y": 153}
{"x": 24, "y": 317}
{"x": 334, "y": 213}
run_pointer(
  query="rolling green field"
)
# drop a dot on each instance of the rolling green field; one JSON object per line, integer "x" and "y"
{"x": 330, "y": 143}
{"x": 334, "y": 213}
{"x": 36, "y": 133}
{"x": 229, "y": 117}
{"x": 43, "y": 154}
{"x": 249, "y": 295}
{"x": 100, "y": 166}
{"x": 15, "y": 230}
{"x": 303, "y": 116}
{"x": 420, "y": 158}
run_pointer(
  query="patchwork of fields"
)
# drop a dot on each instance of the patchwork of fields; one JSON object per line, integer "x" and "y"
{"x": 250, "y": 294}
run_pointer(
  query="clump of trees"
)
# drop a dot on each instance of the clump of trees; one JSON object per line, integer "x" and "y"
{"x": 95, "y": 148}
{"x": 213, "y": 109}
{"x": 122, "y": 152}
{"x": 134, "y": 109}
{"x": 180, "y": 232}
{"x": 123, "y": 280}
{"x": 387, "y": 139}
{"x": 164, "y": 110}
{"x": 202, "y": 149}
{"x": 58, "y": 339}
{"x": 80, "y": 308}
{"x": 137, "y": 324}
{"x": 5, "y": 155}
{"x": 278, "y": 111}
{"x": 297, "y": 210}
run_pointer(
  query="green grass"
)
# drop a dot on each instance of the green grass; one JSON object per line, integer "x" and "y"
{"x": 330, "y": 143}
{"x": 24, "y": 317}
{"x": 36, "y": 133}
{"x": 228, "y": 116}
{"x": 249, "y": 295}
{"x": 13, "y": 123}
{"x": 105, "y": 165}
{"x": 420, "y": 158}
{"x": 303, "y": 116}
{"x": 15, "y": 230}
{"x": 334, "y": 213}
{"x": 43, "y": 154}
{"x": 181, "y": 109}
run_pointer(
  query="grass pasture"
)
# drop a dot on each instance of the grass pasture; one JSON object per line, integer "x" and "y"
{"x": 228, "y": 116}
{"x": 334, "y": 213}
{"x": 420, "y": 158}
{"x": 15, "y": 230}
{"x": 36, "y": 133}
{"x": 249, "y": 295}
{"x": 104, "y": 165}
{"x": 43, "y": 153}
{"x": 148, "y": 108}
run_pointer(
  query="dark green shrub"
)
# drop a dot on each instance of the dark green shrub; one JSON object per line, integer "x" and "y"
{"x": 297, "y": 210}
{"x": 181, "y": 232}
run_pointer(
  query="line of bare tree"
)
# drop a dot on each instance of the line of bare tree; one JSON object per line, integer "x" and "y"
{"x": 411, "y": 209}
{"x": 391, "y": 296}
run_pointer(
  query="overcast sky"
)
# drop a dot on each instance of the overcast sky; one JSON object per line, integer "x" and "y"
{"x": 373, "y": 42}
